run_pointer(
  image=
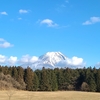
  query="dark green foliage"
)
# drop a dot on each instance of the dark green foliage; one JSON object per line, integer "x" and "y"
{"x": 28, "y": 76}
{"x": 54, "y": 84}
{"x": 14, "y": 73}
{"x": 38, "y": 73}
{"x": 98, "y": 80}
{"x": 91, "y": 81}
{"x": 20, "y": 77}
{"x": 45, "y": 81}
{"x": 80, "y": 79}
{"x": 86, "y": 79}
{"x": 35, "y": 82}
{"x": 61, "y": 80}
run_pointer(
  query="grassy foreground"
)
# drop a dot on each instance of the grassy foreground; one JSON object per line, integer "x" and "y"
{"x": 61, "y": 95}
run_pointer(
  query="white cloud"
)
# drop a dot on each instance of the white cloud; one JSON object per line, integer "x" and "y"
{"x": 87, "y": 23}
{"x": 3, "y": 13}
{"x": 8, "y": 61}
{"x": 12, "y": 60}
{"x": 19, "y": 18}
{"x": 24, "y": 59}
{"x": 2, "y": 59}
{"x": 28, "y": 59}
{"x": 73, "y": 62}
{"x": 92, "y": 20}
{"x": 49, "y": 23}
{"x": 33, "y": 59}
{"x": 21, "y": 11}
{"x": 4, "y": 43}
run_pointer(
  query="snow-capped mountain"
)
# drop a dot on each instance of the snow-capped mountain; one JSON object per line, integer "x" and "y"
{"x": 49, "y": 60}
{"x": 52, "y": 60}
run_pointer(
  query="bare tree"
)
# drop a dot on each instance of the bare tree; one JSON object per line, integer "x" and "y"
{"x": 84, "y": 86}
{"x": 10, "y": 93}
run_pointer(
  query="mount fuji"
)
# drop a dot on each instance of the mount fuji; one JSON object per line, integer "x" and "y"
{"x": 54, "y": 60}
{"x": 49, "y": 60}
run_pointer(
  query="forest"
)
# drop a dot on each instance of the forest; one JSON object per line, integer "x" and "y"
{"x": 57, "y": 79}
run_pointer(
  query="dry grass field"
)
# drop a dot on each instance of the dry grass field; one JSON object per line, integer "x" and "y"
{"x": 61, "y": 95}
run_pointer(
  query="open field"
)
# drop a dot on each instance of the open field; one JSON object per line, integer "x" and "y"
{"x": 61, "y": 95}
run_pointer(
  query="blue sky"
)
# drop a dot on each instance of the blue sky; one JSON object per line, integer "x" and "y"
{"x": 30, "y": 28}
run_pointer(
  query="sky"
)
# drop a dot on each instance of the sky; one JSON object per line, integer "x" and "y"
{"x": 30, "y": 28}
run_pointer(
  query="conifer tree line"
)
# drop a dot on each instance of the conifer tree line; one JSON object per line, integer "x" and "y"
{"x": 86, "y": 79}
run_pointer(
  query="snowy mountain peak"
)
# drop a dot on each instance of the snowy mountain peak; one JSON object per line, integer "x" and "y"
{"x": 52, "y": 58}
{"x": 53, "y": 55}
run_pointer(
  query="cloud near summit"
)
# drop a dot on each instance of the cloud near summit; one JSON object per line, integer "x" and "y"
{"x": 74, "y": 62}
{"x": 27, "y": 60}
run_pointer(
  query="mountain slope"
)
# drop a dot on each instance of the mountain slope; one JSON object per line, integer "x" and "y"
{"x": 49, "y": 60}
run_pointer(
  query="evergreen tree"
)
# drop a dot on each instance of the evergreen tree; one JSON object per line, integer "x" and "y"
{"x": 44, "y": 80}
{"x": 35, "y": 82}
{"x": 98, "y": 80}
{"x": 20, "y": 78}
{"x": 80, "y": 79}
{"x": 68, "y": 79}
{"x": 28, "y": 78}
{"x": 90, "y": 79}
{"x": 39, "y": 75}
{"x": 61, "y": 80}
{"x": 14, "y": 73}
{"x": 92, "y": 83}
{"x": 54, "y": 83}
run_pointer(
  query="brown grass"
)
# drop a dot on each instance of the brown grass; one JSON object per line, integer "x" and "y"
{"x": 61, "y": 95}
